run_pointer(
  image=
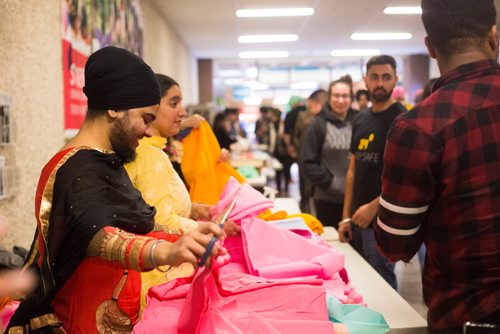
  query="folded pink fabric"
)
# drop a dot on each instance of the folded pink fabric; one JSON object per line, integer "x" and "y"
{"x": 250, "y": 202}
{"x": 235, "y": 302}
{"x": 271, "y": 281}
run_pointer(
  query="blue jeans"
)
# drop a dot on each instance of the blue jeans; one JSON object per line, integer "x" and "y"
{"x": 365, "y": 244}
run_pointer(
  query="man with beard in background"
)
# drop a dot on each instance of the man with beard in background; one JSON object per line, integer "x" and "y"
{"x": 363, "y": 185}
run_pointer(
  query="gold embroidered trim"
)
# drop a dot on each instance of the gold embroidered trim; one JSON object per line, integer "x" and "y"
{"x": 112, "y": 245}
{"x": 46, "y": 202}
{"x": 17, "y": 330}
{"x": 49, "y": 319}
{"x": 135, "y": 253}
{"x": 168, "y": 230}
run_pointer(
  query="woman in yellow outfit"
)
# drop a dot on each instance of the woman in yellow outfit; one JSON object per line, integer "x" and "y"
{"x": 153, "y": 175}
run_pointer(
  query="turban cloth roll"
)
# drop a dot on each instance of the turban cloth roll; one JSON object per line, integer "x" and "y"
{"x": 117, "y": 79}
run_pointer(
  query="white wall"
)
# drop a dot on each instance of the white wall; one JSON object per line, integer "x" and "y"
{"x": 166, "y": 53}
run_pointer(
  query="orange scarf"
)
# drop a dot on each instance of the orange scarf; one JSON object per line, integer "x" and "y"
{"x": 204, "y": 173}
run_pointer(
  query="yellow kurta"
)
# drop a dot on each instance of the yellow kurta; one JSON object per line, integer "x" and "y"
{"x": 154, "y": 176}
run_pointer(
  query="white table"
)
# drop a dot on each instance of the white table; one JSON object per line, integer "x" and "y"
{"x": 287, "y": 204}
{"x": 376, "y": 292}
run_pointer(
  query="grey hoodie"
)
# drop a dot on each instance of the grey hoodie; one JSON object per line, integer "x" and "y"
{"x": 324, "y": 158}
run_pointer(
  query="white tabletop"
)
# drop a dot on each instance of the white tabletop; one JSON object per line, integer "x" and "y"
{"x": 376, "y": 292}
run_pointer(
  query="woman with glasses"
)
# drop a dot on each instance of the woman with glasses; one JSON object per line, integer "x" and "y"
{"x": 325, "y": 155}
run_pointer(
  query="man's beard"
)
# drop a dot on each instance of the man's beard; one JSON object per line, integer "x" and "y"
{"x": 381, "y": 97}
{"x": 121, "y": 143}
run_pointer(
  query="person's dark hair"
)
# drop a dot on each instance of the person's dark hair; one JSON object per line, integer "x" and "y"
{"x": 166, "y": 83}
{"x": 231, "y": 111}
{"x": 93, "y": 113}
{"x": 219, "y": 120}
{"x": 317, "y": 95}
{"x": 362, "y": 92}
{"x": 345, "y": 79}
{"x": 381, "y": 60}
{"x": 455, "y": 26}
{"x": 264, "y": 109}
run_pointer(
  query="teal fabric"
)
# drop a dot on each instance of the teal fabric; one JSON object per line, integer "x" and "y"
{"x": 248, "y": 172}
{"x": 359, "y": 319}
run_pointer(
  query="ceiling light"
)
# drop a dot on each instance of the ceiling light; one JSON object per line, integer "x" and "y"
{"x": 403, "y": 10}
{"x": 355, "y": 53}
{"x": 270, "y": 12}
{"x": 380, "y": 36}
{"x": 267, "y": 38}
{"x": 263, "y": 54}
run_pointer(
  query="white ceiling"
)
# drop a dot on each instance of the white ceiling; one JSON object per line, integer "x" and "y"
{"x": 210, "y": 28}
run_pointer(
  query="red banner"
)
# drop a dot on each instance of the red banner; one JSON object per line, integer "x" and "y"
{"x": 75, "y": 101}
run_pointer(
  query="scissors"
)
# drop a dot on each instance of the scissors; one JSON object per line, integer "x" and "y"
{"x": 210, "y": 246}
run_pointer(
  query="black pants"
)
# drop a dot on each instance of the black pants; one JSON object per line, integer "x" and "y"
{"x": 329, "y": 213}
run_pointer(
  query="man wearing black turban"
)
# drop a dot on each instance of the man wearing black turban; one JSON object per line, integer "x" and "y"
{"x": 94, "y": 230}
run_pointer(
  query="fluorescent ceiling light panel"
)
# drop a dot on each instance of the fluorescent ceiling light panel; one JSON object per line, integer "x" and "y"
{"x": 355, "y": 53}
{"x": 263, "y": 54}
{"x": 403, "y": 10}
{"x": 273, "y": 12}
{"x": 268, "y": 38}
{"x": 380, "y": 36}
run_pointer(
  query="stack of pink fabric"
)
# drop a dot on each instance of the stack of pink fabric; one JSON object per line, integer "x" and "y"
{"x": 272, "y": 281}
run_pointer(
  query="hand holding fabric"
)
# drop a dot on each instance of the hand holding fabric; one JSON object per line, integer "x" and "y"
{"x": 193, "y": 121}
{"x": 200, "y": 211}
{"x": 225, "y": 155}
{"x": 190, "y": 247}
{"x": 231, "y": 228}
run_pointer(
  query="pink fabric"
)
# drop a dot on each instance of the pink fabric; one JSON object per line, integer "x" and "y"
{"x": 235, "y": 302}
{"x": 271, "y": 281}
{"x": 249, "y": 203}
{"x": 7, "y": 312}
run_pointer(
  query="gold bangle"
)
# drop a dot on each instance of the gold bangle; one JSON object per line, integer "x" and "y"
{"x": 345, "y": 221}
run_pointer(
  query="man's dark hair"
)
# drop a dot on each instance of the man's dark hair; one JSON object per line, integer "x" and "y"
{"x": 381, "y": 60}
{"x": 362, "y": 92}
{"x": 93, "y": 114}
{"x": 455, "y": 26}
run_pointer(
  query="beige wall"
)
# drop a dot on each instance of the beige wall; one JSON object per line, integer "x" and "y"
{"x": 167, "y": 54}
{"x": 31, "y": 73}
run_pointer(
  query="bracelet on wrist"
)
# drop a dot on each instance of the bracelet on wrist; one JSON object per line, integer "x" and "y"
{"x": 152, "y": 255}
{"x": 345, "y": 221}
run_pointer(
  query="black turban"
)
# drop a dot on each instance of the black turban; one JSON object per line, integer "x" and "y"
{"x": 117, "y": 79}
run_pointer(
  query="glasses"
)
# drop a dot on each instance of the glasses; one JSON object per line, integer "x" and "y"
{"x": 338, "y": 96}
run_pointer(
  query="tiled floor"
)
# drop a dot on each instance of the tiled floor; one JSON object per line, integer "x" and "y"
{"x": 408, "y": 274}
